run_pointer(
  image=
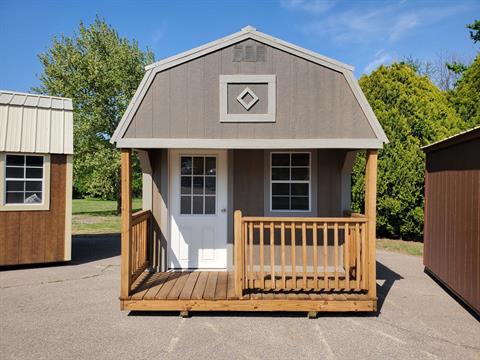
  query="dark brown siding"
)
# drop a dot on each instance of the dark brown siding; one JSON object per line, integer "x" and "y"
{"x": 452, "y": 218}
{"x": 37, "y": 236}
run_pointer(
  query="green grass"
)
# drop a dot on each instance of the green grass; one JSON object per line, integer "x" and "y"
{"x": 401, "y": 246}
{"x": 96, "y": 216}
{"x": 100, "y": 207}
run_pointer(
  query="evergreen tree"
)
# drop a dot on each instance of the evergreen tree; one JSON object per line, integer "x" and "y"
{"x": 413, "y": 113}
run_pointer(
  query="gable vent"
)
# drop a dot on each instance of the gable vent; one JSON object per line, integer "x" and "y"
{"x": 238, "y": 53}
{"x": 251, "y": 53}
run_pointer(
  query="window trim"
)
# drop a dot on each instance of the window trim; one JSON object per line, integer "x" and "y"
{"x": 311, "y": 184}
{"x": 45, "y": 204}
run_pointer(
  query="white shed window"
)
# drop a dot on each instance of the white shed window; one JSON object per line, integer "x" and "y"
{"x": 290, "y": 178}
{"x": 24, "y": 179}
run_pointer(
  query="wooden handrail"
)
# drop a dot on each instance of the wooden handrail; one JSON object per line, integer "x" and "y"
{"x": 306, "y": 219}
{"x": 140, "y": 216}
{"x": 286, "y": 253}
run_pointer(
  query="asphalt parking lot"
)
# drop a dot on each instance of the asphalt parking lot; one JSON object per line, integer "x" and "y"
{"x": 71, "y": 311}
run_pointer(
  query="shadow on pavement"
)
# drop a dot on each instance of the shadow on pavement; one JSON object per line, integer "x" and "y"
{"x": 88, "y": 248}
{"x": 389, "y": 276}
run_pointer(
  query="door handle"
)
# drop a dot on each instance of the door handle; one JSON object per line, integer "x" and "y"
{"x": 223, "y": 210}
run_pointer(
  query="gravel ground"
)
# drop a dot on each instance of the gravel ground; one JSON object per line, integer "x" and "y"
{"x": 71, "y": 311}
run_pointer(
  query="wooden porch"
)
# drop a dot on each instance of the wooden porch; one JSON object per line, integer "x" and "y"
{"x": 215, "y": 291}
{"x": 280, "y": 263}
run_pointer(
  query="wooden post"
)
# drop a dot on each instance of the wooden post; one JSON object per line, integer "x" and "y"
{"x": 238, "y": 255}
{"x": 371, "y": 214}
{"x": 126, "y": 219}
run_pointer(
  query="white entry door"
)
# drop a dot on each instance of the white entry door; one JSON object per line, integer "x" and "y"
{"x": 198, "y": 209}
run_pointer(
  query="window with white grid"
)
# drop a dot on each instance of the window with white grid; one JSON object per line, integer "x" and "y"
{"x": 24, "y": 179}
{"x": 290, "y": 181}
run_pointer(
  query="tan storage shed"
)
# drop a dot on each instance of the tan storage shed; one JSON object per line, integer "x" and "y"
{"x": 36, "y": 152}
{"x": 452, "y": 215}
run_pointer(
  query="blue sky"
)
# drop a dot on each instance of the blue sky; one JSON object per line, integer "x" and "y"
{"x": 364, "y": 34}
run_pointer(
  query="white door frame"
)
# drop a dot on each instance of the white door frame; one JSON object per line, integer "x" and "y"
{"x": 176, "y": 153}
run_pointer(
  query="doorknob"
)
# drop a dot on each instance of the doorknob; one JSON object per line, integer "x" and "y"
{"x": 223, "y": 210}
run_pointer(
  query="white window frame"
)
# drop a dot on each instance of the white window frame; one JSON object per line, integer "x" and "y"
{"x": 204, "y": 195}
{"x": 45, "y": 204}
{"x": 225, "y": 80}
{"x": 309, "y": 181}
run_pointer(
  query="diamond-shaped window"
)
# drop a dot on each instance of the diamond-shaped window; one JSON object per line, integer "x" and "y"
{"x": 247, "y": 93}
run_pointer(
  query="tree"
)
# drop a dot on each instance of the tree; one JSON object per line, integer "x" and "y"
{"x": 444, "y": 71}
{"x": 413, "y": 112}
{"x": 474, "y": 30}
{"x": 100, "y": 71}
{"x": 465, "y": 98}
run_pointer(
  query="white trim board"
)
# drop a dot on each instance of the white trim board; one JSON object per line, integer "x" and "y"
{"x": 246, "y": 33}
{"x": 270, "y": 80}
{"x": 169, "y": 143}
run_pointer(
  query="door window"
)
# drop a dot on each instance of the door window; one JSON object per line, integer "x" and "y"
{"x": 198, "y": 185}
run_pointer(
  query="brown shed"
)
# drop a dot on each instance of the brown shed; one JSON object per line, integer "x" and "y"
{"x": 452, "y": 214}
{"x": 36, "y": 147}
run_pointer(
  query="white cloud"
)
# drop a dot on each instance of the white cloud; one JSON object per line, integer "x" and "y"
{"x": 402, "y": 25}
{"x": 387, "y": 23}
{"x": 381, "y": 57}
{"x": 314, "y": 6}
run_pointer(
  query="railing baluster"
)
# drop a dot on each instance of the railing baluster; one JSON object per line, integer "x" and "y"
{"x": 282, "y": 248}
{"x": 364, "y": 258}
{"x": 272, "y": 255}
{"x": 262, "y": 273}
{"x": 294, "y": 266}
{"x": 325, "y": 256}
{"x": 347, "y": 257}
{"x": 246, "y": 263}
{"x": 315, "y": 255}
{"x": 304, "y": 254}
{"x": 250, "y": 254}
{"x": 335, "y": 249}
{"x": 358, "y": 267}
{"x": 138, "y": 244}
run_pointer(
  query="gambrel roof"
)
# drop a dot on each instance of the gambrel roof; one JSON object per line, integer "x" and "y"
{"x": 245, "y": 34}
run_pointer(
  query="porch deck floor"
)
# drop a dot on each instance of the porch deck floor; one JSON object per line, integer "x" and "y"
{"x": 215, "y": 290}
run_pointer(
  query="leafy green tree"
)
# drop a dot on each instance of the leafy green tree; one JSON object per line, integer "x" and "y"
{"x": 413, "y": 112}
{"x": 465, "y": 98}
{"x": 474, "y": 30}
{"x": 100, "y": 71}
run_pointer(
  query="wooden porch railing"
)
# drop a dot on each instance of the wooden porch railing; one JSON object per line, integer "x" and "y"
{"x": 139, "y": 244}
{"x": 301, "y": 253}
